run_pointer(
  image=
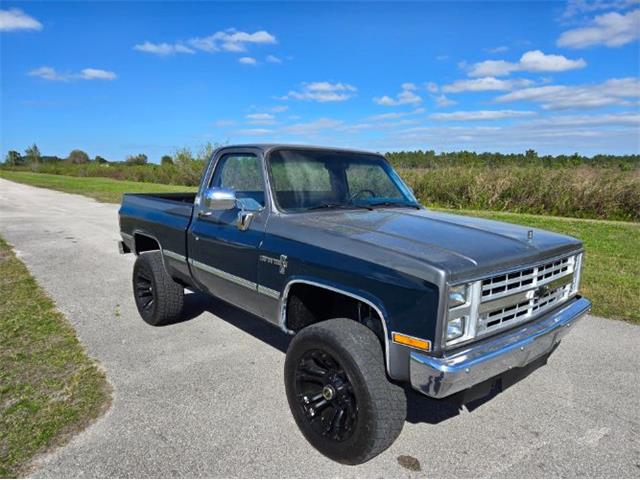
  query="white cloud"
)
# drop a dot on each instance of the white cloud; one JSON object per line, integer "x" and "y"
{"x": 15, "y": 19}
{"x": 579, "y": 7}
{"x": 232, "y": 41}
{"x": 406, "y": 97}
{"x": 163, "y": 49}
{"x": 97, "y": 74}
{"x": 611, "y": 29}
{"x": 254, "y": 131}
{"x": 517, "y": 137}
{"x": 394, "y": 115}
{"x": 621, "y": 118}
{"x": 260, "y": 119}
{"x": 443, "y": 101}
{"x": 279, "y": 108}
{"x": 322, "y": 92}
{"x": 247, "y": 61}
{"x": 228, "y": 41}
{"x": 482, "y": 115}
{"x": 485, "y": 84}
{"x": 616, "y": 91}
{"x": 532, "y": 61}
{"x": 49, "y": 73}
{"x": 273, "y": 59}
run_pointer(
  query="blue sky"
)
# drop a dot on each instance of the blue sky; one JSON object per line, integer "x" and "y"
{"x": 121, "y": 78}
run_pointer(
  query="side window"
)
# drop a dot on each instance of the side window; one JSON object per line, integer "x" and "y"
{"x": 241, "y": 172}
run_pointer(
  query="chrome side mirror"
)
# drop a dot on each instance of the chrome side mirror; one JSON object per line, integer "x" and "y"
{"x": 219, "y": 199}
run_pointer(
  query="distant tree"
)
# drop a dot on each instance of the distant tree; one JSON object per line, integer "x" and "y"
{"x": 78, "y": 156}
{"x": 139, "y": 159}
{"x": 13, "y": 158}
{"x": 531, "y": 154}
{"x": 100, "y": 159}
{"x": 206, "y": 151}
{"x": 33, "y": 154}
{"x": 183, "y": 156}
{"x": 166, "y": 160}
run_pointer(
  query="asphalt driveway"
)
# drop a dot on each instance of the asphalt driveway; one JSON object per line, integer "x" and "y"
{"x": 205, "y": 397}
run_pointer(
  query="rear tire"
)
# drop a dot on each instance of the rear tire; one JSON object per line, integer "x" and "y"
{"x": 159, "y": 299}
{"x": 339, "y": 393}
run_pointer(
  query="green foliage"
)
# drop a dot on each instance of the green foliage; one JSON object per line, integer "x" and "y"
{"x": 166, "y": 160}
{"x": 100, "y": 159}
{"x": 13, "y": 159}
{"x": 140, "y": 159}
{"x": 78, "y": 156}
{"x": 431, "y": 159}
{"x": 33, "y": 156}
{"x": 603, "y": 186}
{"x": 582, "y": 191}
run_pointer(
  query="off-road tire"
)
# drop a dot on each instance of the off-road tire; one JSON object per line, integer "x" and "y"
{"x": 167, "y": 296}
{"x": 381, "y": 405}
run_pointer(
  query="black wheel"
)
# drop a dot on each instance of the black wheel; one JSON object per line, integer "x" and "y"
{"x": 339, "y": 393}
{"x": 159, "y": 299}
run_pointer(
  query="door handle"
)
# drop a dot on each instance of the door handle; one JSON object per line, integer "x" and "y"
{"x": 244, "y": 220}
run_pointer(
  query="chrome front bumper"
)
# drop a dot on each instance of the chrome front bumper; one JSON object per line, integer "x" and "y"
{"x": 441, "y": 377}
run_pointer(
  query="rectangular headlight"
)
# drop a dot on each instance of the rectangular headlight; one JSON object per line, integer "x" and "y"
{"x": 455, "y": 328}
{"x": 462, "y": 313}
{"x": 458, "y": 295}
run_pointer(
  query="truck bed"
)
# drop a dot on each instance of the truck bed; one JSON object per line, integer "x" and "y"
{"x": 162, "y": 216}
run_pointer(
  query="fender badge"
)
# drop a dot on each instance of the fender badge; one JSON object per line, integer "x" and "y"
{"x": 281, "y": 262}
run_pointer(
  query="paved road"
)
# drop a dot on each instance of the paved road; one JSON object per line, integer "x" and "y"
{"x": 205, "y": 397}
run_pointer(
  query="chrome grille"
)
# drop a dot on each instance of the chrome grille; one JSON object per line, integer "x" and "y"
{"x": 518, "y": 281}
{"x": 522, "y": 311}
{"x": 515, "y": 297}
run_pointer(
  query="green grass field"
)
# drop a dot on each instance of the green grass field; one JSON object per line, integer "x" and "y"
{"x": 611, "y": 277}
{"x": 49, "y": 388}
{"x": 102, "y": 189}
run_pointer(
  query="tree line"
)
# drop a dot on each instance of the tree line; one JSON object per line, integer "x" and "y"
{"x": 402, "y": 159}
{"x": 32, "y": 156}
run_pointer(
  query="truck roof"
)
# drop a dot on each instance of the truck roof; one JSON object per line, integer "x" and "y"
{"x": 265, "y": 147}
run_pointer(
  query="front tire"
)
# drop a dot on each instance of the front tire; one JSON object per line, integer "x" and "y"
{"x": 159, "y": 299}
{"x": 339, "y": 393}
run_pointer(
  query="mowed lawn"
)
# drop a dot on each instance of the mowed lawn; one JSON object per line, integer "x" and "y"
{"x": 102, "y": 189}
{"x": 49, "y": 387}
{"x": 611, "y": 276}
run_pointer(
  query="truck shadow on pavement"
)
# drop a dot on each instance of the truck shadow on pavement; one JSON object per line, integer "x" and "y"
{"x": 420, "y": 408}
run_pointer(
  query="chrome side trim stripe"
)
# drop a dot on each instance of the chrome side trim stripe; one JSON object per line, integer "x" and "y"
{"x": 269, "y": 292}
{"x": 222, "y": 274}
{"x": 174, "y": 255}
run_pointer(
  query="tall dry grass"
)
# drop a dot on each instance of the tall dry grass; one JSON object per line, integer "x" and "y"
{"x": 582, "y": 191}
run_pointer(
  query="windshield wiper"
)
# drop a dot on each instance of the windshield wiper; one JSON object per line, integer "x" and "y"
{"x": 328, "y": 205}
{"x": 394, "y": 204}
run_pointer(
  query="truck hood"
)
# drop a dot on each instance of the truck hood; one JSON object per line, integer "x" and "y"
{"x": 460, "y": 245}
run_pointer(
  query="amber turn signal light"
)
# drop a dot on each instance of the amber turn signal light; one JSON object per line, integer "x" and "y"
{"x": 412, "y": 342}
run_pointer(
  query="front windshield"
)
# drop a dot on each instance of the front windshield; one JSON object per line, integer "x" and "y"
{"x": 310, "y": 179}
